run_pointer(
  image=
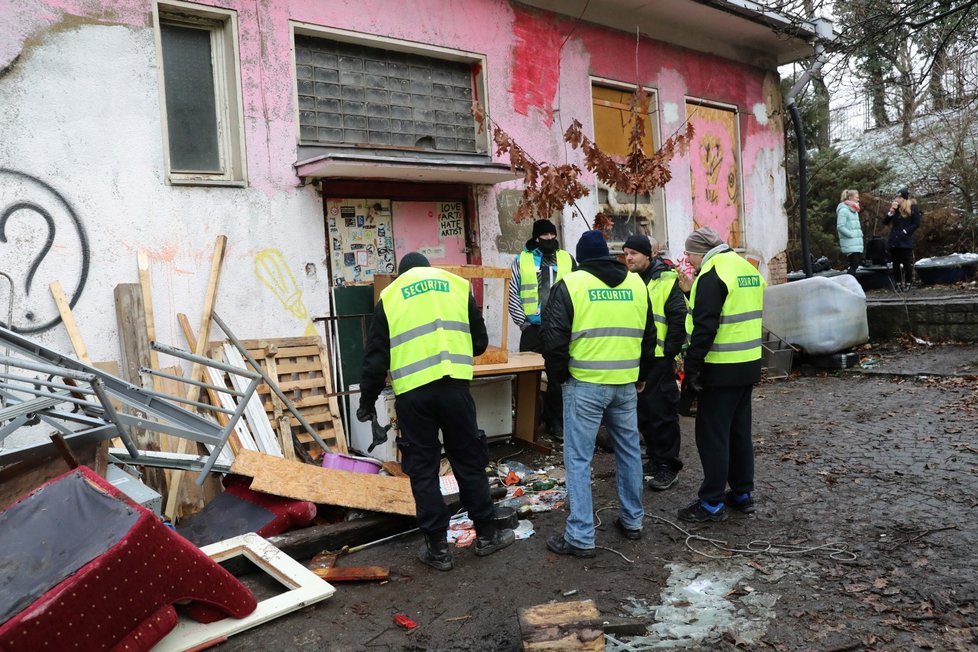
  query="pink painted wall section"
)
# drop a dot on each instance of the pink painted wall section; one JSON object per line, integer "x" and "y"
{"x": 535, "y": 65}
{"x": 537, "y": 72}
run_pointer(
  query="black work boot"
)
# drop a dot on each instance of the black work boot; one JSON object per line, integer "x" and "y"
{"x": 489, "y": 539}
{"x": 435, "y": 552}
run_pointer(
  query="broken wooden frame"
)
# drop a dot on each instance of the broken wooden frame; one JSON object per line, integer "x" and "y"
{"x": 305, "y": 588}
{"x": 31, "y": 398}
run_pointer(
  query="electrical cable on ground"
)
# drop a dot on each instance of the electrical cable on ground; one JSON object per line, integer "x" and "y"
{"x": 838, "y": 551}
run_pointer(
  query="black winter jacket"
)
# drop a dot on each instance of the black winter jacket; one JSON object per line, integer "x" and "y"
{"x": 711, "y": 293}
{"x": 558, "y": 317}
{"x": 377, "y": 357}
{"x": 901, "y": 231}
{"x": 675, "y": 309}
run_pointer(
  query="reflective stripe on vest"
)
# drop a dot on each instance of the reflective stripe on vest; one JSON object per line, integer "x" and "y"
{"x": 428, "y": 321}
{"x": 529, "y": 279}
{"x": 606, "y": 333}
{"x": 738, "y": 337}
{"x": 659, "y": 291}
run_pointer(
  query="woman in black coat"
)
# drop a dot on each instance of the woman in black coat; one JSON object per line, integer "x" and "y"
{"x": 903, "y": 218}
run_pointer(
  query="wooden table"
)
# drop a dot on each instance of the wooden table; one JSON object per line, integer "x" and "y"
{"x": 526, "y": 366}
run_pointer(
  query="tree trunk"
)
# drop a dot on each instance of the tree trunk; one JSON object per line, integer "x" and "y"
{"x": 877, "y": 91}
{"x": 821, "y": 112}
{"x": 938, "y": 95}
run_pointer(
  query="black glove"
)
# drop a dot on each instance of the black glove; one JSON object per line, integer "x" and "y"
{"x": 687, "y": 397}
{"x": 365, "y": 414}
{"x": 379, "y": 433}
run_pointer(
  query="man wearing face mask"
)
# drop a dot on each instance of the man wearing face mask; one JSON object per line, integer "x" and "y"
{"x": 538, "y": 267}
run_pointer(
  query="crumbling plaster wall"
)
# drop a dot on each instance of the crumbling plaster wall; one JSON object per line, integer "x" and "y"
{"x": 81, "y": 120}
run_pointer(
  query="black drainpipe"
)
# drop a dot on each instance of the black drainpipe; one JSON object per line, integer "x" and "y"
{"x": 802, "y": 189}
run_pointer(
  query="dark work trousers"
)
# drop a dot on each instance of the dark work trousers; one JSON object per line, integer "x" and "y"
{"x": 854, "y": 260}
{"x": 444, "y": 405}
{"x": 902, "y": 264}
{"x": 658, "y": 420}
{"x": 723, "y": 439}
{"x": 553, "y": 402}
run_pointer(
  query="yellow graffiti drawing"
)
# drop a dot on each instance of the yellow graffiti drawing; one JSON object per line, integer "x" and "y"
{"x": 274, "y": 273}
{"x": 712, "y": 157}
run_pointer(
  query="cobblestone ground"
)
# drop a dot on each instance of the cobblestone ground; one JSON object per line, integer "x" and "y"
{"x": 867, "y": 485}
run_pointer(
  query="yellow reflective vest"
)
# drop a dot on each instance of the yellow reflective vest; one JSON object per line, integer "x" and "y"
{"x": 659, "y": 291}
{"x": 529, "y": 283}
{"x": 428, "y": 320}
{"x": 738, "y": 337}
{"x": 607, "y": 329}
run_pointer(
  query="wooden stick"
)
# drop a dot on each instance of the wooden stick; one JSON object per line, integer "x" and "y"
{"x": 193, "y": 393}
{"x": 64, "y": 309}
{"x": 145, "y": 285}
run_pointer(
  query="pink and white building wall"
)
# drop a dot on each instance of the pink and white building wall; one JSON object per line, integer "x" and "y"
{"x": 86, "y": 179}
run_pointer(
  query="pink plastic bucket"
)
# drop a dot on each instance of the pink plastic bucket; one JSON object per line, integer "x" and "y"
{"x": 341, "y": 462}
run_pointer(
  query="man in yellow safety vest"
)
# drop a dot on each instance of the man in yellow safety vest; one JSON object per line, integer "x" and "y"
{"x": 426, "y": 329}
{"x": 598, "y": 339}
{"x": 535, "y": 270}
{"x": 723, "y": 362}
{"x": 658, "y": 419}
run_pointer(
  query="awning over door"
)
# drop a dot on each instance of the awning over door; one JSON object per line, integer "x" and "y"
{"x": 349, "y": 166}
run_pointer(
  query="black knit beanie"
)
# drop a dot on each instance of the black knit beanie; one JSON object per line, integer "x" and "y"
{"x": 412, "y": 260}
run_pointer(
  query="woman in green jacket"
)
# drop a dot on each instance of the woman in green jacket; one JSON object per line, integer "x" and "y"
{"x": 850, "y": 230}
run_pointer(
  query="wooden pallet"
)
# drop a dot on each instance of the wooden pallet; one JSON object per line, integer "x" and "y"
{"x": 301, "y": 368}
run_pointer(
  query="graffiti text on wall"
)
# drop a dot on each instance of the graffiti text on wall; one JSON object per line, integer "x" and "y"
{"x": 41, "y": 240}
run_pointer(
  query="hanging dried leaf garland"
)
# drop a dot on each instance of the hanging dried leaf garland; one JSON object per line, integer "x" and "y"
{"x": 548, "y": 188}
{"x": 637, "y": 173}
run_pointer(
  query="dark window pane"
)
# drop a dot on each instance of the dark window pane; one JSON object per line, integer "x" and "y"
{"x": 191, "y": 115}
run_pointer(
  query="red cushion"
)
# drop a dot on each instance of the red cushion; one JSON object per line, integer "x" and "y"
{"x": 122, "y": 597}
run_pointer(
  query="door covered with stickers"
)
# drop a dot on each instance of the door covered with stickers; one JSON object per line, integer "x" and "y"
{"x": 714, "y": 161}
{"x": 361, "y": 240}
{"x": 368, "y": 236}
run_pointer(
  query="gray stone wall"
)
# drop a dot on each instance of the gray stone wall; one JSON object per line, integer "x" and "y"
{"x": 930, "y": 318}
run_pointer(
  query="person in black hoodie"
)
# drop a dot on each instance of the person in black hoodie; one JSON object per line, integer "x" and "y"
{"x": 658, "y": 419}
{"x": 598, "y": 338}
{"x": 903, "y": 218}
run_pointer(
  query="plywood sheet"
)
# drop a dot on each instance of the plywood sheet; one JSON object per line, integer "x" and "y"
{"x": 281, "y": 477}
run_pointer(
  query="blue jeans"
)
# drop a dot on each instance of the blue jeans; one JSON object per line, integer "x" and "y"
{"x": 585, "y": 405}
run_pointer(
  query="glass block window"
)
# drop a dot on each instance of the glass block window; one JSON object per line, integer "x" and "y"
{"x": 350, "y": 94}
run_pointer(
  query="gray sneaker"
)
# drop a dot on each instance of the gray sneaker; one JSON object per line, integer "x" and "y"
{"x": 663, "y": 478}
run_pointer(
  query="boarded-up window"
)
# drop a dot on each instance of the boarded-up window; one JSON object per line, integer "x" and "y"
{"x": 352, "y": 95}
{"x": 714, "y": 162}
{"x": 612, "y": 126}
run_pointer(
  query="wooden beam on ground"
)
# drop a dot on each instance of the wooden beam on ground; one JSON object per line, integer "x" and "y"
{"x": 354, "y": 573}
{"x": 562, "y": 626}
{"x": 280, "y": 477}
{"x": 303, "y": 543}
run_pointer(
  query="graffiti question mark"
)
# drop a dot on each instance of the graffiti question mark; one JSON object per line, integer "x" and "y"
{"x": 26, "y": 183}
{"x": 47, "y": 243}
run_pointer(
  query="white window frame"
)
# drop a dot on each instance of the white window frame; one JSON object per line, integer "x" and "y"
{"x": 385, "y": 43}
{"x": 657, "y": 198}
{"x": 223, "y": 27}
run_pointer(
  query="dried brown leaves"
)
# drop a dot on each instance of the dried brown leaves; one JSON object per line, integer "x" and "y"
{"x": 547, "y": 188}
